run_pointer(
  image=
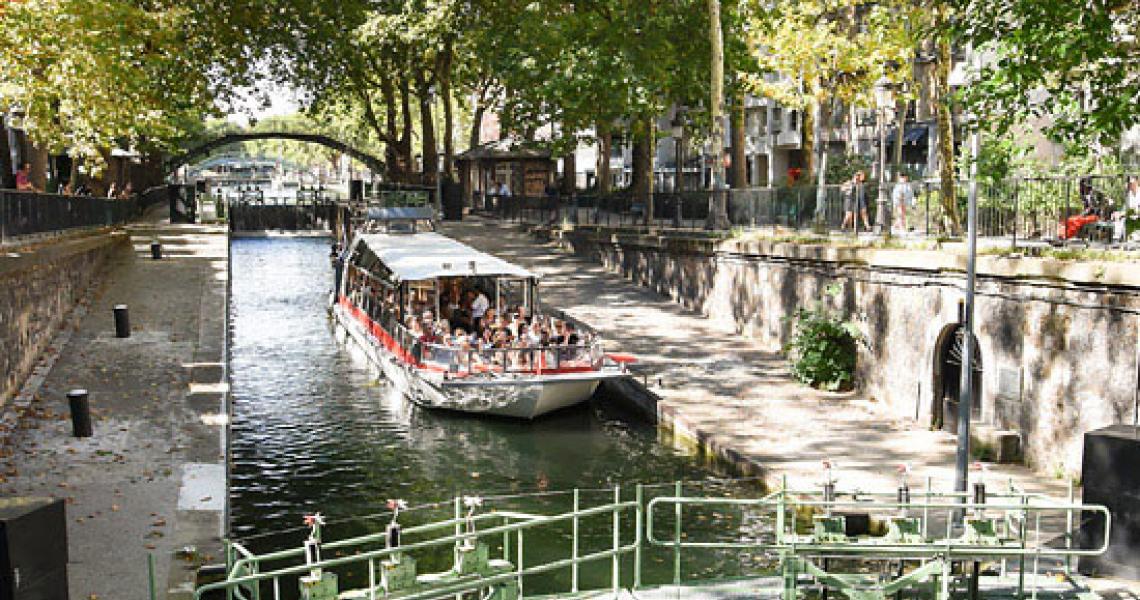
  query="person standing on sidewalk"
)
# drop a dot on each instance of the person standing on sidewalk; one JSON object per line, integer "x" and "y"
{"x": 902, "y": 197}
{"x": 855, "y": 200}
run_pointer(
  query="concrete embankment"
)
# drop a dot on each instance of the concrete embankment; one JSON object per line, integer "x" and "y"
{"x": 723, "y": 394}
{"x": 151, "y": 481}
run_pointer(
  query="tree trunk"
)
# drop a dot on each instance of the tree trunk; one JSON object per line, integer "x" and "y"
{"x": 945, "y": 121}
{"x": 739, "y": 158}
{"x": 569, "y": 173}
{"x": 39, "y": 159}
{"x": 427, "y": 131}
{"x": 404, "y": 147}
{"x": 7, "y": 173}
{"x": 448, "y": 117}
{"x": 718, "y": 201}
{"x": 809, "y": 130}
{"x": 448, "y": 134}
{"x": 900, "y": 110}
{"x": 642, "y": 183}
{"x": 602, "y": 169}
{"x": 476, "y": 124}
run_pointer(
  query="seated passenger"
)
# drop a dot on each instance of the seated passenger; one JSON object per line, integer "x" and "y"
{"x": 427, "y": 329}
{"x": 569, "y": 336}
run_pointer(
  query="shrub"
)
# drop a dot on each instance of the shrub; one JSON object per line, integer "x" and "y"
{"x": 822, "y": 348}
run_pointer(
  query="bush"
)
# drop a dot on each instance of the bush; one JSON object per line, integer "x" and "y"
{"x": 822, "y": 348}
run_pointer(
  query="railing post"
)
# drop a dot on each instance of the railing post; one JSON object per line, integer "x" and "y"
{"x": 458, "y": 531}
{"x": 616, "y": 560}
{"x": 640, "y": 497}
{"x": 519, "y": 555}
{"x": 574, "y": 546}
{"x": 1069, "y": 531}
{"x": 677, "y": 491}
{"x": 152, "y": 592}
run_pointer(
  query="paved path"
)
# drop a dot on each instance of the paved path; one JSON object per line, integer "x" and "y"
{"x": 151, "y": 480}
{"x": 724, "y": 390}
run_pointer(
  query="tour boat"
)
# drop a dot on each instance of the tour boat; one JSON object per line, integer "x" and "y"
{"x": 398, "y": 268}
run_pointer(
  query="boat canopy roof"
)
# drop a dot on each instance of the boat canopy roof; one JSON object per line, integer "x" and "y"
{"x": 420, "y": 256}
{"x": 400, "y": 213}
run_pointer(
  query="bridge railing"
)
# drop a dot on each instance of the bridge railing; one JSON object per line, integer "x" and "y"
{"x": 27, "y": 213}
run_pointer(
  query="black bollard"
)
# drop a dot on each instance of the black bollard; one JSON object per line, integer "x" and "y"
{"x": 80, "y": 413}
{"x": 155, "y": 250}
{"x": 122, "y": 321}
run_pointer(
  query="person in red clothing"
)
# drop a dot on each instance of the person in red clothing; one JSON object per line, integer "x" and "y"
{"x": 23, "y": 179}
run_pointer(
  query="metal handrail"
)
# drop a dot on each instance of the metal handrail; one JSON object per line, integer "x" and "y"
{"x": 251, "y": 564}
{"x": 781, "y": 501}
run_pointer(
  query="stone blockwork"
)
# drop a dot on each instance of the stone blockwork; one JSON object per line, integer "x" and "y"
{"x": 38, "y": 288}
{"x": 1058, "y": 341}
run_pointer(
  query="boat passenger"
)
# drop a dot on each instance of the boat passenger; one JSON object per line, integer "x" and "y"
{"x": 427, "y": 331}
{"x": 479, "y": 306}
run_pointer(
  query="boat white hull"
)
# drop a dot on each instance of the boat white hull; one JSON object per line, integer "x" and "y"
{"x": 522, "y": 396}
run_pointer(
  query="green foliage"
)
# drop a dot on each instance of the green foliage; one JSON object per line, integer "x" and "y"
{"x": 1073, "y": 63}
{"x": 842, "y": 167}
{"x": 823, "y": 345}
{"x": 91, "y": 75}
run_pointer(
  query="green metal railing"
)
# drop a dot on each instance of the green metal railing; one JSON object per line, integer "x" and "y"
{"x": 801, "y": 529}
{"x": 246, "y": 572}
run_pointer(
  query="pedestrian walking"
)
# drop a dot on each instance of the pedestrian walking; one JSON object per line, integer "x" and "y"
{"x": 855, "y": 200}
{"x": 902, "y": 197}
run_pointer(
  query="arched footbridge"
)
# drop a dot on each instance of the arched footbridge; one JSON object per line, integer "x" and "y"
{"x": 204, "y": 149}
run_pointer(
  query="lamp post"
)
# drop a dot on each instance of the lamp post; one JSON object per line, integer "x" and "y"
{"x": 679, "y": 172}
{"x": 884, "y": 100}
{"x": 966, "y": 397}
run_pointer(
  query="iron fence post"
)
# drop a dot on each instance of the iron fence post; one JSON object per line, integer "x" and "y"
{"x": 1016, "y": 193}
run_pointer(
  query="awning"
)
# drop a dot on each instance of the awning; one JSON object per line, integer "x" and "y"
{"x": 913, "y": 135}
{"x": 420, "y": 256}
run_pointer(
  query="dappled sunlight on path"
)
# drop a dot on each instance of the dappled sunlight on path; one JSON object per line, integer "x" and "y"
{"x": 723, "y": 388}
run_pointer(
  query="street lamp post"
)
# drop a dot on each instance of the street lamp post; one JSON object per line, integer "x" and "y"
{"x": 883, "y": 101}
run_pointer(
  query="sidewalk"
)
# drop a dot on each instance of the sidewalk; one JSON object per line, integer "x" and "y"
{"x": 151, "y": 479}
{"x": 718, "y": 388}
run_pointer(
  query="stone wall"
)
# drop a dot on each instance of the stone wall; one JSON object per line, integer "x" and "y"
{"x": 38, "y": 288}
{"x": 1058, "y": 341}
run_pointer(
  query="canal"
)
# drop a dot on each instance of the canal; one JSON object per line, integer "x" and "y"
{"x": 314, "y": 430}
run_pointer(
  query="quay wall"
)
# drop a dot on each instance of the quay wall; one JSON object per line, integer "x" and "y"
{"x": 39, "y": 287}
{"x": 1058, "y": 341}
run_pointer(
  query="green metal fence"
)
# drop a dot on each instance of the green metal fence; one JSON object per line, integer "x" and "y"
{"x": 927, "y": 542}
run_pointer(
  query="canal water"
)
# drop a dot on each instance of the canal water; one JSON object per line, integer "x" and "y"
{"x": 314, "y": 430}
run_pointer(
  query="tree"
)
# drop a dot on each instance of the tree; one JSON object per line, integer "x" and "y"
{"x": 811, "y": 53}
{"x": 90, "y": 75}
{"x": 1075, "y": 65}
